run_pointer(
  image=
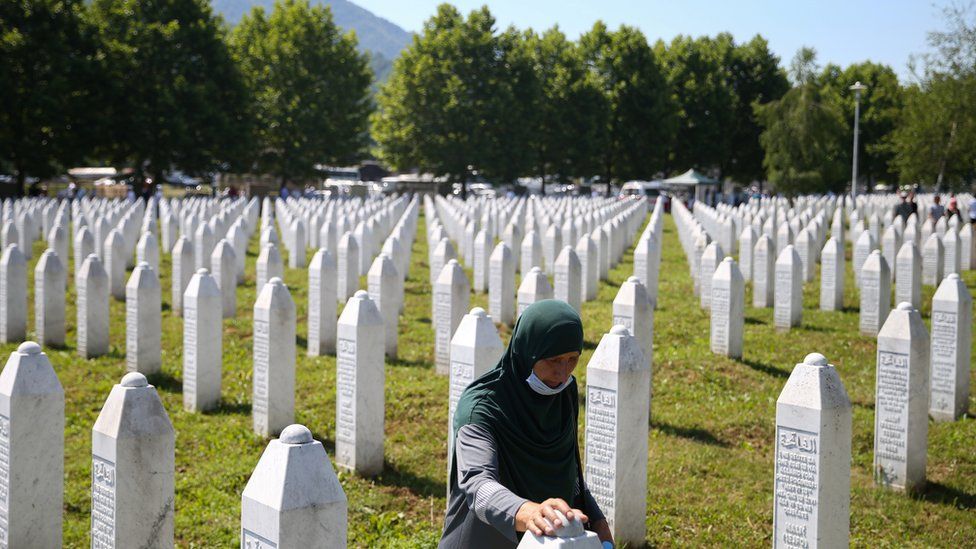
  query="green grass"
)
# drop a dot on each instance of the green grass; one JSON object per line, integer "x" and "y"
{"x": 710, "y": 463}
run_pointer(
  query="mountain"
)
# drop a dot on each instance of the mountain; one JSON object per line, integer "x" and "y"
{"x": 382, "y": 39}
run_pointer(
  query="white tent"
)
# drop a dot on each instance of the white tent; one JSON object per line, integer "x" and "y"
{"x": 693, "y": 182}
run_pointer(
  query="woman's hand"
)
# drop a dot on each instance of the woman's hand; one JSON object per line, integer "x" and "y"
{"x": 530, "y": 516}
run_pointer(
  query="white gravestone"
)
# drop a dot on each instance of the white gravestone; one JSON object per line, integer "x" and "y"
{"x": 812, "y": 482}
{"x": 646, "y": 264}
{"x": 203, "y": 244}
{"x": 952, "y": 329}
{"x": 501, "y": 285}
{"x": 832, "y": 275}
{"x": 115, "y": 262}
{"x": 862, "y": 248}
{"x": 347, "y": 264}
{"x": 763, "y": 272}
{"x": 274, "y": 359}
{"x": 84, "y": 246}
{"x": 951, "y": 260}
{"x": 875, "y": 293}
{"x": 296, "y": 255}
{"x": 202, "y": 343}
{"x": 747, "y": 242}
{"x": 933, "y": 256}
{"x": 475, "y": 349}
{"x": 31, "y": 450}
{"x": 808, "y": 254}
{"x": 13, "y": 295}
{"x": 534, "y": 287}
{"x": 293, "y": 498}
{"x": 569, "y": 535}
{"x": 183, "y": 268}
{"x": 360, "y": 377}
{"x": 482, "y": 256}
{"x": 269, "y": 265}
{"x": 727, "y": 309}
{"x": 133, "y": 469}
{"x": 632, "y": 310}
{"x": 223, "y": 264}
{"x": 531, "y": 253}
{"x": 586, "y": 249}
{"x": 890, "y": 244}
{"x": 58, "y": 241}
{"x": 617, "y": 402}
{"x": 383, "y": 286}
{"x": 443, "y": 252}
{"x": 788, "y": 303}
{"x": 321, "y": 304}
{"x": 451, "y": 300}
{"x": 966, "y": 249}
{"x": 147, "y": 250}
{"x": 567, "y": 280}
{"x": 710, "y": 259}
{"x": 552, "y": 244}
{"x": 92, "y": 308}
{"x": 908, "y": 280}
{"x": 901, "y": 401}
{"x": 143, "y": 312}
{"x": 49, "y": 299}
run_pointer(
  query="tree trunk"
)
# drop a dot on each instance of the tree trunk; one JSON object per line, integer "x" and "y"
{"x": 945, "y": 156}
{"x": 21, "y": 180}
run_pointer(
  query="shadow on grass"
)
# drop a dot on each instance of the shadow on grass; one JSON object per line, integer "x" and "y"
{"x": 851, "y": 309}
{"x": 230, "y": 409}
{"x": 421, "y": 486}
{"x": 819, "y": 329}
{"x": 301, "y": 341}
{"x": 589, "y": 345}
{"x": 936, "y": 492}
{"x": 166, "y": 382}
{"x": 765, "y": 368}
{"x": 754, "y": 321}
{"x": 691, "y": 433}
{"x": 865, "y": 405}
{"x": 409, "y": 362}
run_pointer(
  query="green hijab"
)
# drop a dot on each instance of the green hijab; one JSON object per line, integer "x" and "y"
{"x": 536, "y": 436}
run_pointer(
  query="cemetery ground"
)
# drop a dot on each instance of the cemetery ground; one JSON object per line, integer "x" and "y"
{"x": 710, "y": 463}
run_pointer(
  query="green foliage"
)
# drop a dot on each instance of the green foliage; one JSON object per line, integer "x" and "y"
{"x": 171, "y": 91}
{"x": 934, "y": 142}
{"x": 309, "y": 88}
{"x": 642, "y": 117}
{"x": 881, "y": 106}
{"x": 46, "y": 77}
{"x": 804, "y": 135}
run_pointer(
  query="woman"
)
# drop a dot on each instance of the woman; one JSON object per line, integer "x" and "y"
{"x": 516, "y": 456}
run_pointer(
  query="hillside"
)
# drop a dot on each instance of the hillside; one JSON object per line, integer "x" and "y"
{"x": 382, "y": 39}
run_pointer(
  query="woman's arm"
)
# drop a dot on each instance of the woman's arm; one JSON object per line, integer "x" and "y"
{"x": 476, "y": 455}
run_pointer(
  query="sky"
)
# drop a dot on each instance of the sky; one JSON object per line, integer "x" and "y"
{"x": 842, "y": 32}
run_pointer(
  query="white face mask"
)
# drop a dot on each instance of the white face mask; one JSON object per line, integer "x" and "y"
{"x": 540, "y": 387}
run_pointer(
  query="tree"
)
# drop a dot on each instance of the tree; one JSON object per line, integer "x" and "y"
{"x": 570, "y": 109}
{"x": 699, "y": 73}
{"x": 804, "y": 134}
{"x": 880, "y": 109}
{"x": 453, "y": 105}
{"x": 46, "y": 74}
{"x": 310, "y": 88}
{"x": 756, "y": 79}
{"x": 639, "y": 130}
{"x": 173, "y": 95}
{"x": 935, "y": 140}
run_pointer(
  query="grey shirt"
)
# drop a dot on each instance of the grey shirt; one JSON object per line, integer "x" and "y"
{"x": 481, "y": 512}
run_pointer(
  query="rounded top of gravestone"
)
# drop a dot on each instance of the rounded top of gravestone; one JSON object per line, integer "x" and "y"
{"x": 29, "y": 348}
{"x": 728, "y": 259}
{"x": 535, "y": 270}
{"x": 875, "y": 252}
{"x": 952, "y": 276}
{"x": 570, "y": 248}
{"x": 92, "y": 256}
{"x": 452, "y": 262}
{"x": 478, "y": 312}
{"x": 361, "y": 294}
{"x": 203, "y": 271}
{"x": 815, "y": 359}
{"x": 143, "y": 265}
{"x": 632, "y": 280}
{"x": 619, "y": 329}
{"x": 276, "y": 281}
{"x": 296, "y": 434}
{"x": 905, "y": 306}
{"x": 134, "y": 379}
{"x": 568, "y": 528}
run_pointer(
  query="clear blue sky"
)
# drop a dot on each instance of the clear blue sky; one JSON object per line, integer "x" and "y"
{"x": 843, "y": 32}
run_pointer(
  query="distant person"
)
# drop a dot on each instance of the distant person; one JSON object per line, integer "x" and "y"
{"x": 972, "y": 210}
{"x": 904, "y": 208}
{"x": 516, "y": 451}
{"x": 936, "y": 210}
{"x": 953, "y": 209}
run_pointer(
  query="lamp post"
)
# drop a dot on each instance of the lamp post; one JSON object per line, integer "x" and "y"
{"x": 857, "y": 88}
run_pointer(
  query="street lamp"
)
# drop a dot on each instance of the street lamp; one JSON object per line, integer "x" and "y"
{"x": 857, "y": 88}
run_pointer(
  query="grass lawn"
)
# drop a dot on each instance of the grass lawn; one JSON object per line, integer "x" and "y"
{"x": 710, "y": 463}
